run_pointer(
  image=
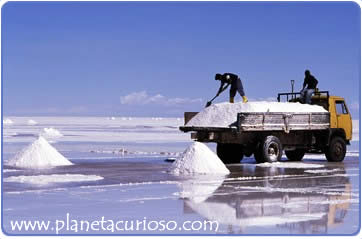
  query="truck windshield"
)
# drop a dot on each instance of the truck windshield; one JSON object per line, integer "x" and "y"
{"x": 341, "y": 108}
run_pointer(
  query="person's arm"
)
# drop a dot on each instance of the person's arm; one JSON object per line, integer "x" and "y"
{"x": 304, "y": 83}
{"x": 222, "y": 87}
{"x": 315, "y": 82}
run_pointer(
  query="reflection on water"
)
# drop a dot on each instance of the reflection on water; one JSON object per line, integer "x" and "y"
{"x": 251, "y": 200}
{"x": 283, "y": 198}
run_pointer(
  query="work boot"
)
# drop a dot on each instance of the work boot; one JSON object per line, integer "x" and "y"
{"x": 231, "y": 100}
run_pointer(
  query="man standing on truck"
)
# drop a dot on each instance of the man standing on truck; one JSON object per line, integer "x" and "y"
{"x": 306, "y": 93}
{"x": 234, "y": 80}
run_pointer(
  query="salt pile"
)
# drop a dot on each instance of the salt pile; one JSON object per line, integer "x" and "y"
{"x": 32, "y": 122}
{"x": 50, "y": 133}
{"x": 198, "y": 159}
{"x": 52, "y": 178}
{"x": 7, "y": 121}
{"x": 39, "y": 154}
{"x": 225, "y": 114}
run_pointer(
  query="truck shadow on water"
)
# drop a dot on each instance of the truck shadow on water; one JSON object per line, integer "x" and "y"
{"x": 274, "y": 200}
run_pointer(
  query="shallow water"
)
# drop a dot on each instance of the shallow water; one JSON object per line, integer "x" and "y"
{"x": 137, "y": 186}
{"x": 250, "y": 200}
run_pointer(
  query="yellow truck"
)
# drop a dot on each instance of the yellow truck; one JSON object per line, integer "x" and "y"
{"x": 268, "y": 134}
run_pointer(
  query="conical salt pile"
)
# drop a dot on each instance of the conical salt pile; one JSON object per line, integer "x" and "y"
{"x": 39, "y": 154}
{"x": 198, "y": 159}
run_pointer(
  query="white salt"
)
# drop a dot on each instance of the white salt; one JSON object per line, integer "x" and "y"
{"x": 198, "y": 159}
{"x": 225, "y": 114}
{"x": 322, "y": 171}
{"x": 32, "y": 122}
{"x": 39, "y": 154}
{"x": 7, "y": 121}
{"x": 11, "y": 170}
{"x": 290, "y": 165}
{"x": 51, "y": 133}
{"x": 52, "y": 178}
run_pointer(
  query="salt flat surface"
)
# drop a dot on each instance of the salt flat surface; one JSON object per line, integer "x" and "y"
{"x": 10, "y": 170}
{"x": 52, "y": 178}
{"x": 224, "y": 114}
{"x": 322, "y": 156}
{"x": 99, "y": 129}
{"x": 32, "y": 122}
{"x": 291, "y": 165}
{"x": 39, "y": 154}
{"x": 321, "y": 171}
{"x": 249, "y": 200}
{"x": 269, "y": 200}
{"x": 198, "y": 159}
{"x": 7, "y": 121}
{"x": 51, "y": 133}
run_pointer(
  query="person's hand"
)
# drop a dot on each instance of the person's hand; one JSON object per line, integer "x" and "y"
{"x": 245, "y": 99}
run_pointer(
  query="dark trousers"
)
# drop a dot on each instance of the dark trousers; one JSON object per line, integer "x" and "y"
{"x": 237, "y": 87}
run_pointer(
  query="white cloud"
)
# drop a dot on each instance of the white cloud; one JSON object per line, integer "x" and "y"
{"x": 142, "y": 98}
{"x": 134, "y": 98}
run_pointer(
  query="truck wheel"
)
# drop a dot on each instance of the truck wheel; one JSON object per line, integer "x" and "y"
{"x": 336, "y": 150}
{"x": 271, "y": 149}
{"x": 295, "y": 155}
{"x": 229, "y": 153}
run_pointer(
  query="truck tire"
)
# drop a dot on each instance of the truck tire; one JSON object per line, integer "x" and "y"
{"x": 295, "y": 155}
{"x": 271, "y": 149}
{"x": 229, "y": 153}
{"x": 336, "y": 151}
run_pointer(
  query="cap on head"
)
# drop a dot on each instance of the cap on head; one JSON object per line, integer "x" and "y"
{"x": 307, "y": 72}
{"x": 218, "y": 76}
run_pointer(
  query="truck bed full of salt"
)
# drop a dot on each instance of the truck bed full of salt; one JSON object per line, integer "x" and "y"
{"x": 224, "y": 114}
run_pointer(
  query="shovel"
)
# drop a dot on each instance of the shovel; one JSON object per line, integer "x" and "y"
{"x": 210, "y": 102}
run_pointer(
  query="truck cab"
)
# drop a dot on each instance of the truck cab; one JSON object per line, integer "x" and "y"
{"x": 340, "y": 131}
{"x": 340, "y": 118}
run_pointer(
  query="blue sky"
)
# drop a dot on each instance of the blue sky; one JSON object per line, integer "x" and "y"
{"x": 160, "y": 58}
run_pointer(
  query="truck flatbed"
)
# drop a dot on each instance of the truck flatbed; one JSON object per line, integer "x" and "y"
{"x": 207, "y": 129}
{"x": 280, "y": 121}
{"x": 270, "y": 121}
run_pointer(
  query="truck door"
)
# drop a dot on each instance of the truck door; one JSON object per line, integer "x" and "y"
{"x": 344, "y": 120}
